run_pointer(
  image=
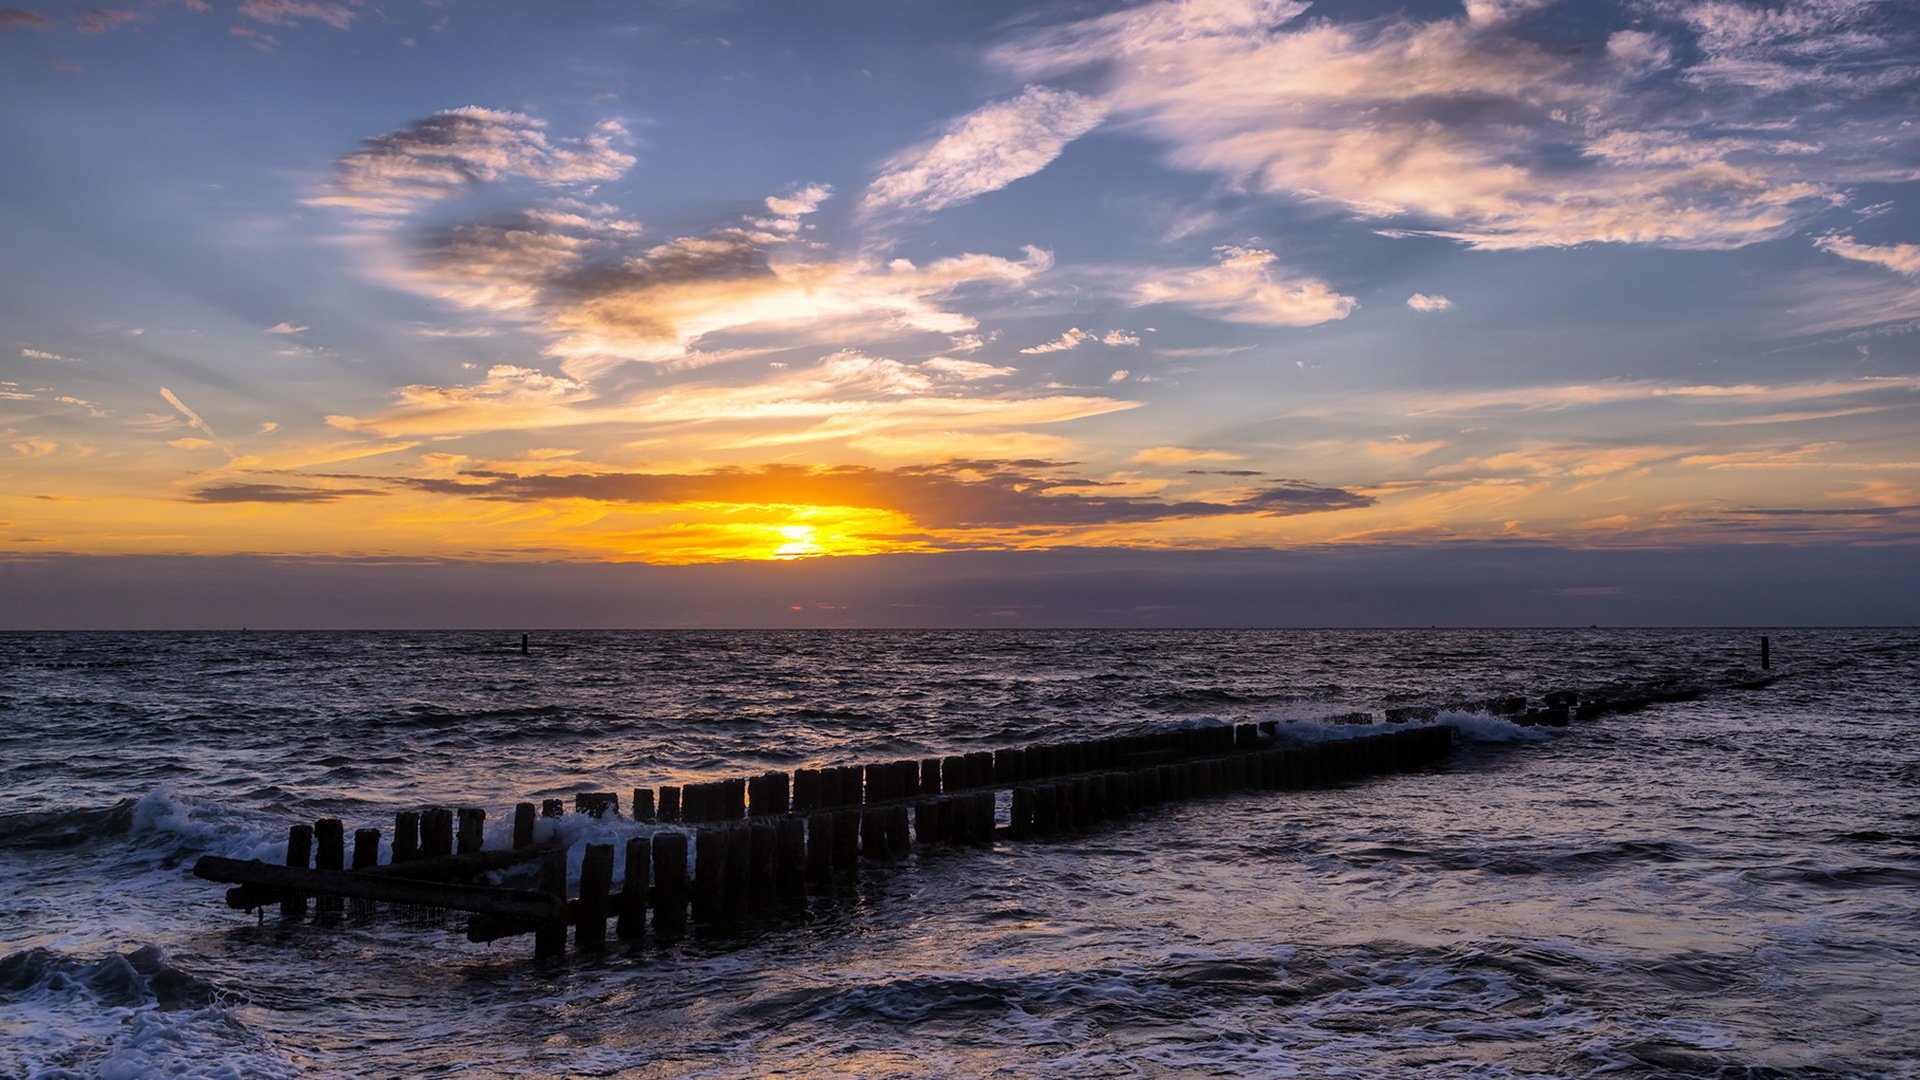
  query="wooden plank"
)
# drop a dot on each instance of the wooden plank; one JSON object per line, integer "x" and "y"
{"x": 510, "y": 903}
{"x": 444, "y": 868}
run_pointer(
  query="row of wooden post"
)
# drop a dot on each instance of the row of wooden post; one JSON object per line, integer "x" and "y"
{"x": 808, "y": 836}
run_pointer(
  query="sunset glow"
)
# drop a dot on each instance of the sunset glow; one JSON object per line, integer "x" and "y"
{"x": 597, "y": 282}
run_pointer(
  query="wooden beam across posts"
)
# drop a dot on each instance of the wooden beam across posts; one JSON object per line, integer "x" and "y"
{"x": 486, "y": 899}
{"x": 444, "y": 868}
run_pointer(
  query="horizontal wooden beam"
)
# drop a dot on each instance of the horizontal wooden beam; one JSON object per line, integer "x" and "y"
{"x": 485, "y": 899}
{"x": 437, "y": 868}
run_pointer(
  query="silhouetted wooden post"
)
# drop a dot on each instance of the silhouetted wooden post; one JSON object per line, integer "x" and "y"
{"x": 930, "y": 776}
{"x": 669, "y": 884}
{"x": 820, "y": 850}
{"x": 633, "y": 889}
{"x": 846, "y": 842}
{"x": 366, "y": 855}
{"x": 763, "y": 844}
{"x": 406, "y": 836}
{"x": 552, "y": 808}
{"x": 709, "y": 869}
{"x": 643, "y": 804}
{"x": 523, "y": 825}
{"x": 473, "y": 830}
{"x": 1766, "y": 657}
{"x": 523, "y": 644}
{"x": 736, "y": 884}
{"x": 550, "y": 937}
{"x": 596, "y": 880}
{"x": 790, "y": 858}
{"x": 436, "y": 832}
{"x": 669, "y": 803}
{"x": 330, "y": 854}
{"x": 293, "y": 905}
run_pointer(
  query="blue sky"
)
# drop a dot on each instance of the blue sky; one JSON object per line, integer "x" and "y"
{"x": 724, "y": 283}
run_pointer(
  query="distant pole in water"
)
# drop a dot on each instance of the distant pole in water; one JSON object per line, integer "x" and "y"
{"x": 523, "y": 644}
{"x": 1766, "y": 659}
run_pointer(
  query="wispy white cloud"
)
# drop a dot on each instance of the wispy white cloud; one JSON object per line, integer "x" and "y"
{"x": 984, "y": 151}
{"x": 1245, "y": 285}
{"x": 287, "y": 328}
{"x": 1900, "y": 258}
{"x": 194, "y": 419}
{"x": 1467, "y": 127}
{"x": 1424, "y": 302}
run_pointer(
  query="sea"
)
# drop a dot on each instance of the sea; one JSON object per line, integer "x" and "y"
{"x": 1722, "y": 886}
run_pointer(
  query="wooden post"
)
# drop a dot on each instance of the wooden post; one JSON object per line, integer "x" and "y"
{"x": 953, "y": 773}
{"x": 709, "y": 870}
{"x": 899, "y": 839}
{"x": 1022, "y": 818}
{"x": 806, "y": 790}
{"x": 763, "y": 852}
{"x": 669, "y": 884}
{"x": 550, "y": 938}
{"x": 633, "y": 889}
{"x": 406, "y": 836}
{"x": 820, "y": 850}
{"x": 733, "y": 794}
{"x": 790, "y": 858}
{"x": 552, "y": 808}
{"x": 596, "y": 804}
{"x": 366, "y": 856}
{"x": 473, "y": 830}
{"x": 643, "y": 804}
{"x": 736, "y": 887}
{"x": 436, "y": 832}
{"x": 669, "y": 803}
{"x": 293, "y": 905}
{"x": 1766, "y": 655}
{"x": 523, "y": 825}
{"x": 596, "y": 880}
{"x": 930, "y": 776}
{"x": 523, "y": 644}
{"x": 873, "y": 833}
{"x": 846, "y": 842}
{"x": 330, "y": 854}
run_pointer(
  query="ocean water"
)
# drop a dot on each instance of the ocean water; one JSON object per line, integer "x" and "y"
{"x": 1727, "y": 886}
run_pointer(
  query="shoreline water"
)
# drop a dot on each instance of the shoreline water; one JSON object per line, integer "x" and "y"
{"x": 1721, "y": 884}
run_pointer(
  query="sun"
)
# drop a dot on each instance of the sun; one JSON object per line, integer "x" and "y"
{"x": 800, "y": 543}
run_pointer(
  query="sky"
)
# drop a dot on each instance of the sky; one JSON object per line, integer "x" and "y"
{"x": 1205, "y": 312}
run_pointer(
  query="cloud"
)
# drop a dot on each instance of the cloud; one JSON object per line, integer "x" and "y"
{"x": 287, "y": 328}
{"x": 984, "y": 151}
{"x": 1072, "y": 339}
{"x": 194, "y": 419}
{"x": 1631, "y": 391}
{"x": 273, "y": 493}
{"x": 948, "y": 496}
{"x": 846, "y": 395}
{"x": 1466, "y": 127}
{"x": 965, "y": 370}
{"x": 451, "y": 152}
{"x": 1180, "y": 455}
{"x": 42, "y": 354}
{"x": 1242, "y": 286}
{"x": 1423, "y": 302}
{"x": 1900, "y": 258}
{"x": 21, "y": 19}
{"x": 339, "y": 14}
{"x": 103, "y": 20}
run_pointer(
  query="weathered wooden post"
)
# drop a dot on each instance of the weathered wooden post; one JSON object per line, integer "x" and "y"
{"x": 473, "y": 830}
{"x": 820, "y": 845}
{"x": 669, "y": 803}
{"x": 552, "y": 808}
{"x": 846, "y": 843}
{"x": 1766, "y": 655}
{"x": 633, "y": 889}
{"x": 930, "y": 776}
{"x": 596, "y": 804}
{"x": 642, "y": 804}
{"x": 596, "y": 880}
{"x": 873, "y": 833}
{"x": 523, "y": 825}
{"x": 436, "y": 832}
{"x": 709, "y": 870}
{"x": 736, "y": 886}
{"x": 366, "y": 855}
{"x": 669, "y": 884}
{"x": 550, "y": 937}
{"x": 763, "y": 844}
{"x": 293, "y": 905}
{"x": 790, "y": 858}
{"x": 330, "y": 854}
{"x": 806, "y": 790}
{"x": 406, "y": 836}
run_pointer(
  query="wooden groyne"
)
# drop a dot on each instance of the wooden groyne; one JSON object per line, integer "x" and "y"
{"x": 726, "y": 853}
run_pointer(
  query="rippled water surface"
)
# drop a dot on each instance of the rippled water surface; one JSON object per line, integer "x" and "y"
{"x": 1726, "y": 886}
